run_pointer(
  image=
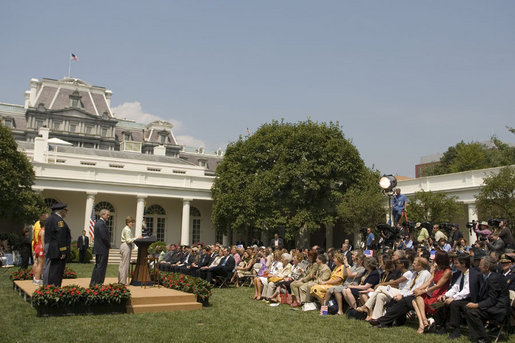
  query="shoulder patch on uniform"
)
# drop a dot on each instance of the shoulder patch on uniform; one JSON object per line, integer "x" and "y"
{"x": 60, "y": 223}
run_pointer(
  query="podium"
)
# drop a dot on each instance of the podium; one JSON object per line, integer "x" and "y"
{"x": 141, "y": 274}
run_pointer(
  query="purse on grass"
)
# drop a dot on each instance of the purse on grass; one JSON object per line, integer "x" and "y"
{"x": 286, "y": 298}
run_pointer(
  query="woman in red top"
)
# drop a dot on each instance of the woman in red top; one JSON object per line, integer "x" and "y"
{"x": 429, "y": 292}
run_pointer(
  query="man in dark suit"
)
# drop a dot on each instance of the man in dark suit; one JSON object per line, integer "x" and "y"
{"x": 57, "y": 245}
{"x": 83, "y": 245}
{"x": 203, "y": 260}
{"x": 508, "y": 270}
{"x": 463, "y": 291}
{"x": 186, "y": 260}
{"x": 101, "y": 248}
{"x": 276, "y": 242}
{"x": 224, "y": 268}
{"x": 493, "y": 304}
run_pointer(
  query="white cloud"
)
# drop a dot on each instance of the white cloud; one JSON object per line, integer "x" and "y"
{"x": 134, "y": 111}
{"x": 190, "y": 141}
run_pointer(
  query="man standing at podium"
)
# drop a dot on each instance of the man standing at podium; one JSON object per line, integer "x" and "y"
{"x": 101, "y": 248}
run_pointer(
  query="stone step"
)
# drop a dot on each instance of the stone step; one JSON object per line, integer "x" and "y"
{"x": 170, "y": 307}
{"x": 152, "y": 300}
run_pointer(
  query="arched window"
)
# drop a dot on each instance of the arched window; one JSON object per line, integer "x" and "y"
{"x": 110, "y": 222}
{"x": 155, "y": 218}
{"x": 195, "y": 224}
{"x": 49, "y": 202}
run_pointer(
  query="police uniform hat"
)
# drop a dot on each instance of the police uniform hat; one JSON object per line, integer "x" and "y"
{"x": 59, "y": 206}
{"x": 506, "y": 258}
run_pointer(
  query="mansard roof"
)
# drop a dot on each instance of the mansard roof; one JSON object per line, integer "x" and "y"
{"x": 55, "y": 95}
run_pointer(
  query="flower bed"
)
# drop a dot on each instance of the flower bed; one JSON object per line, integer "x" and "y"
{"x": 189, "y": 284}
{"x": 72, "y": 299}
{"x": 28, "y": 274}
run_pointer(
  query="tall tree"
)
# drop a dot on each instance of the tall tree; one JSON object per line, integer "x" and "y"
{"x": 285, "y": 175}
{"x": 436, "y": 207}
{"x": 363, "y": 204}
{"x": 18, "y": 202}
{"x": 496, "y": 199}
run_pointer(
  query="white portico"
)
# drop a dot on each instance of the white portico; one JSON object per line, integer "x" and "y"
{"x": 464, "y": 185}
{"x": 160, "y": 190}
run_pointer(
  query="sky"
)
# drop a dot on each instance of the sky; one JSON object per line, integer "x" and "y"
{"x": 404, "y": 79}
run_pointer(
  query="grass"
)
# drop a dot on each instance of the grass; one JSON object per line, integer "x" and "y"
{"x": 232, "y": 317}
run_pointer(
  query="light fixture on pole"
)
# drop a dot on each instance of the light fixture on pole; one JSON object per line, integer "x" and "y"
{"x": 387, "y": 183}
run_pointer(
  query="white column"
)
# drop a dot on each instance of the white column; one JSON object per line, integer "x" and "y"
{"x": 225, "y": 240}
{"x": 90, "y": 202}
{"x": 185, "y": 228}
{"x": 472, "y": 215}
{"x": 329, "y": 235}
{"x": 140, "y": 209}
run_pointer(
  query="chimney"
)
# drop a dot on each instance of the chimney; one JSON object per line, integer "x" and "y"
{"x": 160, "y": 150}
{"x": 41, "y": 146}
{"x": 34, "y": 83}
{"x": 27, "y": 100}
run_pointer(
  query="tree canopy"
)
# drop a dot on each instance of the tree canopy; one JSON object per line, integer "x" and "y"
{"x": 363, "y": 204}
{"x": 436, "y": 207}
{"x": 469, "y": 156}
{"x": 496, "y": 199}
{"x": 289, "y": 175}
{"x": 18, "y": 202}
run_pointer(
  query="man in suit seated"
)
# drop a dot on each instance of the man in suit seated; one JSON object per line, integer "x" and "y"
{"x": 494, "y": 301}
{"x": 186, "y": 260}
{"x": 463, "y": 291}
{"x": 402, "y": 300}
{"x": 173, "y": 256}
{"x": 224, "y": 268}
{"x": 204, "y": 259}
{"x": 215, "y": 260}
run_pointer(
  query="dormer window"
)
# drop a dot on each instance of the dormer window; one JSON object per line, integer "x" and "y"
{"x": 75, "y": 100}
{"x": 163, "y": 139}
{"x": 127, "y": 136}
{"x": 9, "y": 122}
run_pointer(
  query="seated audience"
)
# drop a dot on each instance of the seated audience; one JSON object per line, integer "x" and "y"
{"x": 429, "y": 292}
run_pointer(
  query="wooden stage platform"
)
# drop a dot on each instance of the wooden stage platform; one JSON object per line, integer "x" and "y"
{"x": 143, "y": 300}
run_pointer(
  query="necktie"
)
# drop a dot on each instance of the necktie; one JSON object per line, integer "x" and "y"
{"x": 462, "y": 281}
{"x": 414, "y": 280}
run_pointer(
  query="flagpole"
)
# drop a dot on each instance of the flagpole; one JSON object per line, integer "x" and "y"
{"x": 69, "y": 66}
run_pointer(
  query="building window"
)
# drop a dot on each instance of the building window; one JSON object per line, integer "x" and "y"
{"x": 9, "y": 122}
{"x": 73, "y": 127}
{"x": 110, "y": 222}
{"x": 39, "y": 123}
{"x": 127, "y": 136}
{"x": 219, "y": 236}
{"x": 195, "y": 214}
{"x": 57, "y": 125}
{"x": 163, "y": 139}
{"x": 89, "y": 129}
{"x": 104, "y": 132}
{"x": 155, "y": 218}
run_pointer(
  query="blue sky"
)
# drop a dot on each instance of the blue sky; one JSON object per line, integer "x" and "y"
{"x": 403, "y": 78}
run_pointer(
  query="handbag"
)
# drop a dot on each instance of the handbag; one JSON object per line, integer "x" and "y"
{"x": 274, "y": 279}
{"x": 286, "y": 298}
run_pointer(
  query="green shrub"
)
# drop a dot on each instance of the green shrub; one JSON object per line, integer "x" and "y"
{"x": 74, "y": 253}
{"x": 154, "y": 245}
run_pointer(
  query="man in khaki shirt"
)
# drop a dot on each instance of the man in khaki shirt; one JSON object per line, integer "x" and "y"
{"x": 323, "y": 273}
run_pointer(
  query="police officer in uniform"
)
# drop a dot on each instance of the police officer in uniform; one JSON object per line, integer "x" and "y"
{"x": 57, "y": 245}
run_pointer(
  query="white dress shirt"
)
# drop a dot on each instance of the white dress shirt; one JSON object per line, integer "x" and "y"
{"x": 455, "y": 292}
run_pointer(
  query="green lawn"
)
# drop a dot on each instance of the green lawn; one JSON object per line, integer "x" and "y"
{"x": 232, "y": 317}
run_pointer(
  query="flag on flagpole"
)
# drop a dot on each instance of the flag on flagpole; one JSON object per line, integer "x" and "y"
{"x": 91, "y": 225}
{"x": 75, "y": 57}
